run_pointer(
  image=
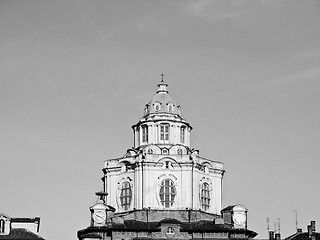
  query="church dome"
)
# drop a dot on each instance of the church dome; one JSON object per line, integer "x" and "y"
{"x": 162, "y": 102}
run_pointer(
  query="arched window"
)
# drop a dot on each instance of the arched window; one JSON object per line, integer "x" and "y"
{"x": 164, "y": 131}
{"x": 205, "y": 196}
{"x": 144, "y": 133}
{"x": 125, "y": 196}
{"x": 182, "y": 134}
{"x": 167, "y": 193}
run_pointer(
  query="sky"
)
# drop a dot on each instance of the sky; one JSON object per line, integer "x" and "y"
{"x": 75, "y": 76}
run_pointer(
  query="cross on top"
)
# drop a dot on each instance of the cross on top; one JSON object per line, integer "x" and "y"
{"x": 162, "y": 75}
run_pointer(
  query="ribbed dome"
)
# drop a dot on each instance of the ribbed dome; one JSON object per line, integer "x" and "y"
{"x": 162, "y": 102}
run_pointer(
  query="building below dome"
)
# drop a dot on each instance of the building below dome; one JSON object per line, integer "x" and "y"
{"x": 19, "y": 228}
{"x": 162, "y": 188}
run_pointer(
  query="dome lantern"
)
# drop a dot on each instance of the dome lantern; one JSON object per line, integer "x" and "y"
{"x": 162, "y": 102}
{"x": 162, "y": 87}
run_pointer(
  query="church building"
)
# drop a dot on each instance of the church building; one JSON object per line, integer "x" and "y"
{"x": 162, "y": 188}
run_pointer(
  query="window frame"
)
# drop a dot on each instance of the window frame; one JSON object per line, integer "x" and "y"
{"x": 164, "y": 131}
{"x": 145, "y": 131}
{"x": 182, "y": 134}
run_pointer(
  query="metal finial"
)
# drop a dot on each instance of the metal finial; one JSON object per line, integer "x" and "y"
{"x": 162, "y": 75}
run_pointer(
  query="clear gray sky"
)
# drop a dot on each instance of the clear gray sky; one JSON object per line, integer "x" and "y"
{"x": 75, "y": 75}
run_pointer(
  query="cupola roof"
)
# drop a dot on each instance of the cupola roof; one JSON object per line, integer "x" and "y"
{"x": 162, "y": 102}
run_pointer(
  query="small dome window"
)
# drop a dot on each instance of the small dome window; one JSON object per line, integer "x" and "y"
{"x": 170, "y": 107}
{"x": 165, "y": 151}
{"x": 157, "y": 106}
{"x": 150, "y": 151}
{"x": 179, "y": 151}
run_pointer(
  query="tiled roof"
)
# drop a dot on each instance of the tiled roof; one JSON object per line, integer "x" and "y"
{"x": 302, "y": 236}
{"x": 228, "y": 208}
{"x": 170, "y": 220}
{"x": 25, "y": 220}
{"x": 135, "y": 225}
{"x": 20, "y": 234}
{"x": 91, "y": 235}
{"x": 199, "y": 225}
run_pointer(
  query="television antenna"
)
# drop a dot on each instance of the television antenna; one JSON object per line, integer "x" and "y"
{"x": 296, "y": 213}
{"x": 278, "y": 225}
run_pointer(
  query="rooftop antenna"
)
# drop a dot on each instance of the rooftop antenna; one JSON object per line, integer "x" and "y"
{"x": 162, "y": 75}
{"x": 268, "y": 224}
{"x": 296, "y": 212}
{"x": 275, "y": 227}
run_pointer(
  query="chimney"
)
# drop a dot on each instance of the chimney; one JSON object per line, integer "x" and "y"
{"x": 271, "y": 235}
{"x": 313, "y": 226}
{"x": 309, "y": 231}
{"x": 312, "y": 231}
{"x": 278, "y": 236}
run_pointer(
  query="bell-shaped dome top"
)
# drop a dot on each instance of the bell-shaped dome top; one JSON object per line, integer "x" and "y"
{"x": 162, "y": 102}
